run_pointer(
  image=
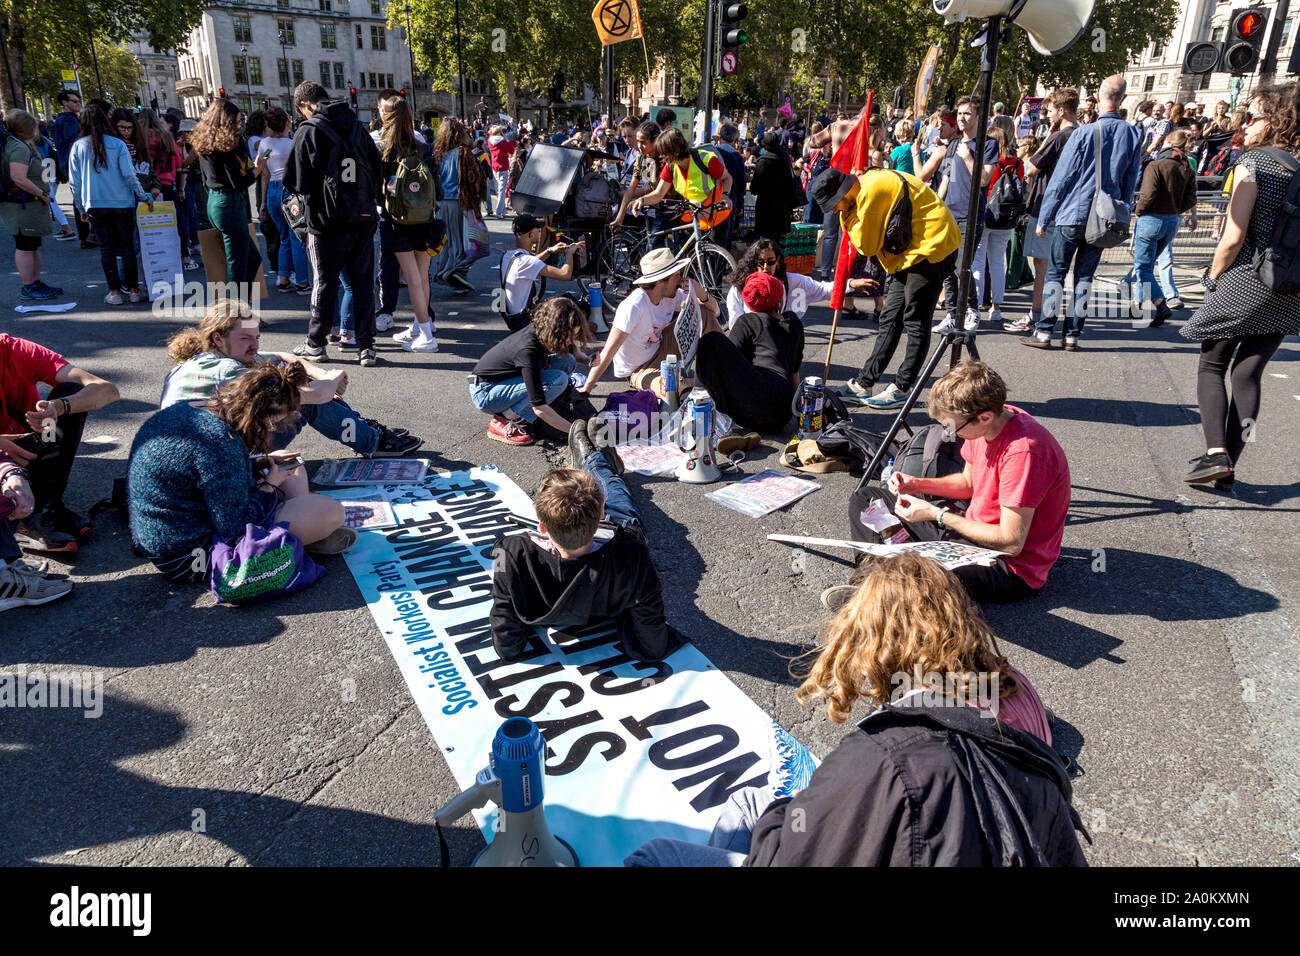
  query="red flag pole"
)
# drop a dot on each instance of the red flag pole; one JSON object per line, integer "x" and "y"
{"x": 846, "y": 252}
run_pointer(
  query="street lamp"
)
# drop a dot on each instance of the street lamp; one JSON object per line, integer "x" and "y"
{"x": 410, "y": 49}
{"x": 460, "y": 70}
{"x": 284, "y": 54}
{"x": 248, "y": 76}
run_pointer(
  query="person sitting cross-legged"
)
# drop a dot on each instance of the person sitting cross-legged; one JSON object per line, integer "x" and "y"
{"x": 208, "y": 468}
{"x": 574, "y": 570}
{"x": 224, "y": 347}
{"x": 21, "y": 584}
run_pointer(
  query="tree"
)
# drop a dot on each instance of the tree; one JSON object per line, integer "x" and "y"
{"x": 39, "y": 33}
{"x": 118, "y": 69}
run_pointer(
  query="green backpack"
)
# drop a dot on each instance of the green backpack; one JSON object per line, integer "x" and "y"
{"x": 411, "y": 198}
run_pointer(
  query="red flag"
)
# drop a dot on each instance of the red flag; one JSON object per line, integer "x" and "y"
{"x": 851, "y": 158}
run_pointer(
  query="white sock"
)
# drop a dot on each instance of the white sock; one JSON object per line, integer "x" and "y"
{"x": 425, "y": 329}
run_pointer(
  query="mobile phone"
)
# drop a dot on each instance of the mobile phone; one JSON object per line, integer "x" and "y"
{"x": 33, "y": 443}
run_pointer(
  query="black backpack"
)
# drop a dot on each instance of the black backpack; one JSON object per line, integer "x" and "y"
{"x": 1278, "y": 263}
{"x": 349, "y": 200}
{"x": 931, "y": 454}
{"x": 898, "y": 230}
{"x": 1010, "y": 201}
{"x": 6, "y": 181}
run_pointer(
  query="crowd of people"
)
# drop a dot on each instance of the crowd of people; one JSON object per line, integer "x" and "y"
{"x": 214, "y": 459}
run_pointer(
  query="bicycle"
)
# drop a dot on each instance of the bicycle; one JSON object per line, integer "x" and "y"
{"x": 618, "y": 266}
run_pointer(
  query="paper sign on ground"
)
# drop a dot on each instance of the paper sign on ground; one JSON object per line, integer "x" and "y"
{"x": 763, "y": 493}
{"x": 160, "y": 250}
{"x": 363, "y": 471}
{"x": 650, "y": 459}
{"x": 950, "y": 554}
{"x": 634, "y": 750}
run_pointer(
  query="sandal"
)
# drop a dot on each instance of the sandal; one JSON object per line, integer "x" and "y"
{"x": 336, "y": 542}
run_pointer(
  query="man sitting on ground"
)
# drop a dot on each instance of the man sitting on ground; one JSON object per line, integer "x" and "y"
{"x": 42, "y": 435}
{"x": 573, "y": 570}
{"x": 224, "y": 347}
{"x": 520, "y": 267}
{"x": 1016, "y": 477}
{"x": 642, "y": 335}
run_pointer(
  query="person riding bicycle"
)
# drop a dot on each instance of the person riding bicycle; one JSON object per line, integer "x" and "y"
{"x": 699, "y": 177}
{"x": 520, "y": 267}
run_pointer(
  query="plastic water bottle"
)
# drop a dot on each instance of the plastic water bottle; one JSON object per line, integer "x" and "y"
{"x": 884, "y": 475}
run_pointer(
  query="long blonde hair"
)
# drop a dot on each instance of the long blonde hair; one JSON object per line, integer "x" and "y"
{"x": 908, "y": 618}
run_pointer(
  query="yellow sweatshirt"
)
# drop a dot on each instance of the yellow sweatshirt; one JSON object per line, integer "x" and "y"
{"x": 934, "y": 230}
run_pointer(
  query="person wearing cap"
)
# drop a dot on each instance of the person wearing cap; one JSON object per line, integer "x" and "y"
{"x": 752, "y": 371}
{"x": 864, "y": 204}
{"x": 520, "y": 267}
{"x": 642, "y": 335}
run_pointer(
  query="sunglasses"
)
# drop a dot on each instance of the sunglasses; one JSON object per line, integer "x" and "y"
{"x": 1251, "y": 117}
{"x": 767, "y": 262}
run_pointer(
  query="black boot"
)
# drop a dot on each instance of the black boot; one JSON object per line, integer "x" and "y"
{"x": 580, "y": 446}
{"x": 600, "y": 434}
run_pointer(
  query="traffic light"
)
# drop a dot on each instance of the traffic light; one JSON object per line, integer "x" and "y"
{"x": 731, "y": 36}
{"x": 221, "y": 92}
{"x": 1246, "y": 31}
{"x": 402, "y": 93}
{"x": 352, "y": 93}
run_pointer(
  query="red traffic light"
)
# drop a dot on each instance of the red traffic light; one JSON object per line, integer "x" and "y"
{"x": 353, "y": 91}
{"x": 401, "y": 93}
{"x": 222, "y": 92}
{"x": 1248, "y": 24}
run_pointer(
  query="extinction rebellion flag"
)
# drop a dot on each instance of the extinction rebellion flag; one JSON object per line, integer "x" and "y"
{"x": 616, "y": 21}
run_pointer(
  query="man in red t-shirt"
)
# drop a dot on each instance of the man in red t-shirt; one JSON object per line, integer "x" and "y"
{"x": 1016, "y": 477}
{"x": 500, "y": 148}
{"x": 41, "y": 435}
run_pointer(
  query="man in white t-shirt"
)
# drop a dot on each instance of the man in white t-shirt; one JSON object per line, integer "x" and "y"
{"x": 519, "y": 269}
{"x": 642, "y": 335}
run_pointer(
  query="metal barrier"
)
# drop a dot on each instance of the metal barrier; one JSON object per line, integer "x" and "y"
{"x": 1193, "y": 248}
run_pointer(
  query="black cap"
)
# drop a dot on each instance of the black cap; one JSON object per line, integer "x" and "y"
{"x": 526, "y": 223}
{"x": 830, "y": 188}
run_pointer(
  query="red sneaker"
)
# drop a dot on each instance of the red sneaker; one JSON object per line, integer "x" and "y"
{"x": 512, "y": 433}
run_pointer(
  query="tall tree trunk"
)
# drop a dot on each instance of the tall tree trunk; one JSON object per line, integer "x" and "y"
{"x": 11, "y": 63}
{"x": 947, "y": 56}
{"x": 510, "y": 94}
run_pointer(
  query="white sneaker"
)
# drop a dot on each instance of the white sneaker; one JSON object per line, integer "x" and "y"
{"x": 949, "y": 324}
{"x": 383, "y": 322}
{"x": 405, "y": 336}
{"x": 114, "y": 298}
{"x": 972, "y": 320}
{"x": 422, "y": 344}
{"x": 138, "y": 296}
{"x": 995, "y": 315}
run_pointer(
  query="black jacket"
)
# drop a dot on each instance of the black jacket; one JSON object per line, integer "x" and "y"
{"x": 304, "y": 173}
{"x": 533, "y": 587}
{"x": 773, "y": 185}
{"x": 922, "y": 785}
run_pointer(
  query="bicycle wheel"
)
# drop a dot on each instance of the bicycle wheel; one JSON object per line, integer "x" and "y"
{"x": 618, "y": 269}
{"x": 711, "y": 270}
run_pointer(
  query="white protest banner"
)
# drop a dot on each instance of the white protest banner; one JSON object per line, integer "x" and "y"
{"x": 634, "y": 750}
{"x": 160, "y": 250}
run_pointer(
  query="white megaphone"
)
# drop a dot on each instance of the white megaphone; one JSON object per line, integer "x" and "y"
{"x": 1052, "y": 25}
{"x": 698, "y": 467}
{"x": 513, "y": 781}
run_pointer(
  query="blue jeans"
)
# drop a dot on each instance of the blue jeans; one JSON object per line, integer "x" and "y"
{"x": 292, "y": 251}
{"x": 502, "y": 179}
{"x": 331, "y": 420}
{"x": 343, "y": 307}
{"x": 618, "y": 503}
{"x": 1165, "y": 265}
{"x": 512, "y": 395}
{"x": 728, "y": 845}
{"x": 1153, "y": 238}
{"x": 1067, "y": 246}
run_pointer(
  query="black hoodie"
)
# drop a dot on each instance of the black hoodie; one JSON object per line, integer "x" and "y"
{"x": 309, "y": 161}
{"x": 918, "y": 784}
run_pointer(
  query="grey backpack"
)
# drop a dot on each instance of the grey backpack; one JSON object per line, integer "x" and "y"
{"x": 1108, "y": 218}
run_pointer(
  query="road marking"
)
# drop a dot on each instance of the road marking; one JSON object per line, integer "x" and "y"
{"x": 1277, "y": 374}
{"x": 453, "y": 313}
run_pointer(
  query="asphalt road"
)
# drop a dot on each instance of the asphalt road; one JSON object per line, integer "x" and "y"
{"x": 1165, "y": 640}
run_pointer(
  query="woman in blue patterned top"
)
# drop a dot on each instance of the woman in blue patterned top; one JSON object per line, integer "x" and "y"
{"x": 192, "y": 475}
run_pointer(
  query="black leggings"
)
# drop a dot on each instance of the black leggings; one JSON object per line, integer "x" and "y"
{"x": 48, "y": 475}
{"x": 115, "y": 230}
{"x": 1230, "y": 424}
{"x": 756, "y": 398}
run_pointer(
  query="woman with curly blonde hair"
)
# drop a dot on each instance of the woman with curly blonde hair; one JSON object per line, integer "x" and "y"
{"x": 228, "y": 172}
{"x": 952, "y": 768}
